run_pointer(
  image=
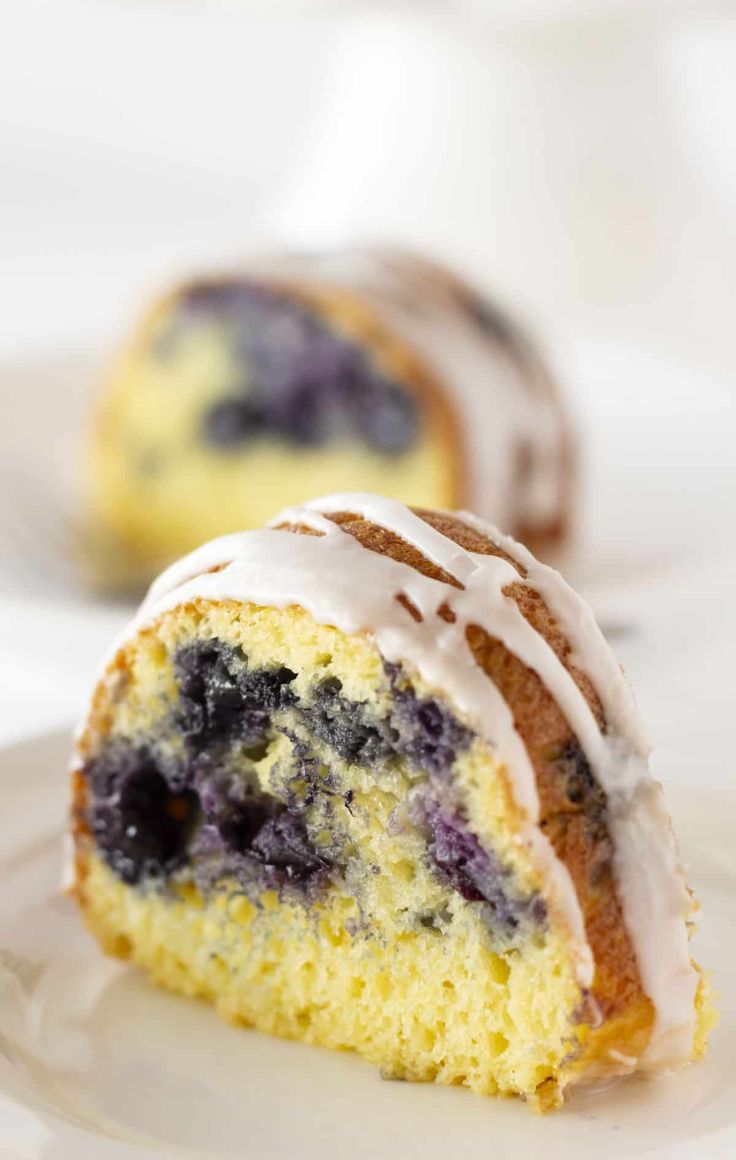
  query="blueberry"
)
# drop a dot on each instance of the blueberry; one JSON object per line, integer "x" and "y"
{"x": 252, "y": 837}
{"x": 428, "y": 733}
{"x": 283, "y": 843}
{"x": 230, "y": 422}
{"x": 587, "y": 801}
{"x": 267, "y": 688}
{"x": 280, "y": 855}
{"x": 332, "y": 364}
{"x": 387, "y": 416}
{"x": 301, "y": 418}
{"x": 230, "y": 805}
{"x": 221, "y": 701}
{"x": 459, "y": 855}
{"x": 211, "y": 706}
{"x": 140, "y": 826}
{"x": 308, "y": 384}
{"x": 475, "y": 872}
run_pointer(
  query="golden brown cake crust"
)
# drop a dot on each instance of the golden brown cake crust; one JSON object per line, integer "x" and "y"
{"x": 572, "y": 806}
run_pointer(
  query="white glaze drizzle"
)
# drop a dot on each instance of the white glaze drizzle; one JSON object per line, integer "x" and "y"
{"x": 341, "y": 583}
{"x": 651, "y": 882}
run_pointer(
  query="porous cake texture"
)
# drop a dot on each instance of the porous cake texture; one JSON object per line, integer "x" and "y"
{"x": 370, "y": 778}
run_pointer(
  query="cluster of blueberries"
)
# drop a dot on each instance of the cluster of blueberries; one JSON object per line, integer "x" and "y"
{"x": 150, "y": 816}
{"x": 302, "y": 382}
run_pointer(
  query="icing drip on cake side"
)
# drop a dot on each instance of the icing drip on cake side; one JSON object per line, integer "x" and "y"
{"x": 340, "y": 582}
{"x": 651, "y": 882}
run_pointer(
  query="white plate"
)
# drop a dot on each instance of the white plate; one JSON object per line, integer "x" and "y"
{"x": 96, "y": 1064}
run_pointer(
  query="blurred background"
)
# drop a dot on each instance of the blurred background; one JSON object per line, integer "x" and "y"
{"x": 578, "y": 160}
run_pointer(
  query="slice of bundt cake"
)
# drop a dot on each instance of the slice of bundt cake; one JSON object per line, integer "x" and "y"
{"x": 364, "y": 369}
{"x": 371, "y": 778}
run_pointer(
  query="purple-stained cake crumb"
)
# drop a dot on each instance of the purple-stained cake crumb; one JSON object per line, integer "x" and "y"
{"x": 385, "y": 415}
{"x": 297, "y": 379}
{"x": 587, "y": 798}
{"x": 474, "y": 871}
{"x": 233, "y": 421}
{"x": 282, "y": 842}
{"x": 260, "y": 844}
{"x": 230, "y": 804}
{"x": 139, "y": 825}
{"x": 347, "y": 727}
{"x": 221, "y": 701}
{"x": 153, "y": 814}
{"x": 427, "y": 732}
{"x": 574, "y": 767}
{"x": 220, "y": 825}
{"x": 303, "y": 777}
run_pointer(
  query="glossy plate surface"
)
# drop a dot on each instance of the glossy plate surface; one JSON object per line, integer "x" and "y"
{"x": 97, "y": 1064}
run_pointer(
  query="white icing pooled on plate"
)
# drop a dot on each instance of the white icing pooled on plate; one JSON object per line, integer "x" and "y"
{"x": 341, "y": 583}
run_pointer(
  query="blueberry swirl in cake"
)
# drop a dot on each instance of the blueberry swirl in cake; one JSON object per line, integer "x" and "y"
{"x": 371, "y": 778}
{"x": 363, "y": 369}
